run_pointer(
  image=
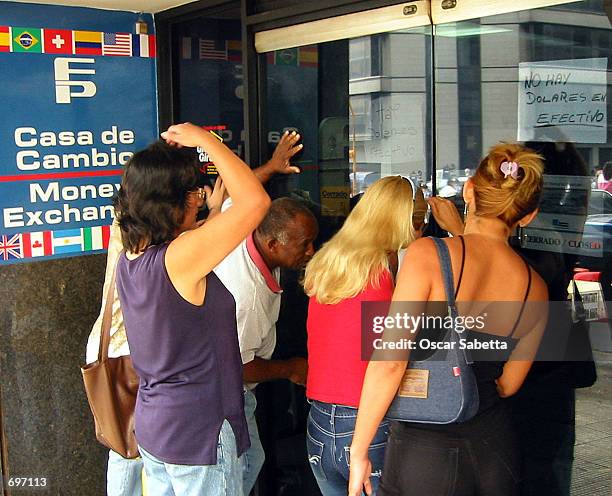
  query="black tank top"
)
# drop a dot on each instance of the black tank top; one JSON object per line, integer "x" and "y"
{"x": 486, "y": 371}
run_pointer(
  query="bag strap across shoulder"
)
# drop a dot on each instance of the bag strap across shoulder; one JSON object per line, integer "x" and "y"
{"x": 108, "y": 316}
{"x": 449, "y": 289}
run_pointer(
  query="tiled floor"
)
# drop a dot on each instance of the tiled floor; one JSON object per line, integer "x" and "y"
{"x": 592, "y": 474}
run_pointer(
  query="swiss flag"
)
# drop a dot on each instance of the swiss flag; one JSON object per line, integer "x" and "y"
{"x": 37, "y": 244}
{"x": 58, "y": 41}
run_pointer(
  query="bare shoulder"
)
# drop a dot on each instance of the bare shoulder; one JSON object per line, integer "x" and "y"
{"x": 421, "y": 258}
{"x": 420, "y": 250}
{"x": 539, "y": 290}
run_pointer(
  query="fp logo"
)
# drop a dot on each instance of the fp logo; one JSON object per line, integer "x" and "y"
{"x": 63, "y": 84}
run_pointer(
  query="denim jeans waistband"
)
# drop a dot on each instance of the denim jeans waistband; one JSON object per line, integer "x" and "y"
{"x": 334, "y": 409}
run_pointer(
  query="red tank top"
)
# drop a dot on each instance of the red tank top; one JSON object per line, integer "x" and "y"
{"x": 335, "y": 368}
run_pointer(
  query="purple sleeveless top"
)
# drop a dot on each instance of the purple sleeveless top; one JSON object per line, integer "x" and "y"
{"x": 188, "y": 360}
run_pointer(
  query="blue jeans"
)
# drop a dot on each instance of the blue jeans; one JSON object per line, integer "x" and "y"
{"x": 253, "y": 458}
{"x": 329, "y": 433}
{"x": 123, "y": 476}
{"x": 222, "y": 479}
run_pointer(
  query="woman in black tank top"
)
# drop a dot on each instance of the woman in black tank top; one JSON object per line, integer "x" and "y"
{"x": 479, "y": 456}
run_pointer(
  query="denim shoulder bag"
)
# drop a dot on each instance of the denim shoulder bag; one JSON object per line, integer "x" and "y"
{"x": 441, "y": 389}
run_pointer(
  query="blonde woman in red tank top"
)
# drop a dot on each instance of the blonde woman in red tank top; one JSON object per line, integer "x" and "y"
{"x": 352, "y": 267}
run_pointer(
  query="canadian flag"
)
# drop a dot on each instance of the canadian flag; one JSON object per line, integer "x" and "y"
{"x": 37, "y": 244}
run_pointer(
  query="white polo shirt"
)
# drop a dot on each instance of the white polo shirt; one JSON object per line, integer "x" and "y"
{"x": 257, "y": 292}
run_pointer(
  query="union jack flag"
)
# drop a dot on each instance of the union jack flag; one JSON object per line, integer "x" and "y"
{"x": 10, "y": 247}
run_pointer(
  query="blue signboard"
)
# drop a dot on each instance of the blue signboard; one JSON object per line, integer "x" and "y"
{"x": 77, "y": 103}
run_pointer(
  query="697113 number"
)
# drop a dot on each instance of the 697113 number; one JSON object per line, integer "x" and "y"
{"x": 26, "y": 482}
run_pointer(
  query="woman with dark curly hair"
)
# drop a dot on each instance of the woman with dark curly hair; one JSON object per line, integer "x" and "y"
{"x": 179, "y": 318}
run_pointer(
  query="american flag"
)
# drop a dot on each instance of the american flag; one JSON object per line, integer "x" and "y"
{"x": 10, "y": 247}
{"x": 117, "y": 44}
{"x": 213, "y": 49}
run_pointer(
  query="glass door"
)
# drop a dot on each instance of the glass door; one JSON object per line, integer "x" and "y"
{"x": 424, "y": 89}
{"x": 539, "y": 73}
{"x": 540, "y": 77}
{"x": 361, "y": 103}
{"x": 207, "y": 73}
{"x": 358, "y": 88}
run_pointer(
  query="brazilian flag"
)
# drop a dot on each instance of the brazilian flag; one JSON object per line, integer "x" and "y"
{"x": 27, "y": 40}
{"x": 287, "y": 56}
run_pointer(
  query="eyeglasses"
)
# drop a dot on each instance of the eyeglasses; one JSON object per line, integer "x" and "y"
{"x": 417, "y": 222}
{"x": 201, "y": 192}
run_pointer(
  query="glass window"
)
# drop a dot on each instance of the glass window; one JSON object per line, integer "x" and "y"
{"x": 539, "y": 77}
{"x": 362, "y": 106}
{"x": 208, "y": 75}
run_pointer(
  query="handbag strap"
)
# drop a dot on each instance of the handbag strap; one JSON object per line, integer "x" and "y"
{"x": 108, "y": 316}
{"x": 449, "y": 289}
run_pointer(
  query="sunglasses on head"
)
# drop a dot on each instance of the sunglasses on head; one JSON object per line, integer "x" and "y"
{"x": 417, "y": 223}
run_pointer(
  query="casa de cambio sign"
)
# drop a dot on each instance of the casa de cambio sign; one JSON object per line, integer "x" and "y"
{"x": 78, "y": 105}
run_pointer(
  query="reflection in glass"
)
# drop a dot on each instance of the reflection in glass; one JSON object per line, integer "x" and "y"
{"x": 208, "y": 55}
{"x": 361, "y": 106}
{"x": 538, "y": 76}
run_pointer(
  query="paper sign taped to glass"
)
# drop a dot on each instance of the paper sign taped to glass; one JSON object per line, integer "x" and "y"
{"x": 563, "y": 100}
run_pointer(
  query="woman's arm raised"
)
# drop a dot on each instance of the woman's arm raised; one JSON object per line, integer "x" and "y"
{"x": 192, "y": 256}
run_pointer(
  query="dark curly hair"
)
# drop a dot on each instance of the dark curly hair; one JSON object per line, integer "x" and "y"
{"x": 150, "y": 206}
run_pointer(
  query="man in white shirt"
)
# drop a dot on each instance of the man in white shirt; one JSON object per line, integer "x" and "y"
{"x": 251, "y": 272}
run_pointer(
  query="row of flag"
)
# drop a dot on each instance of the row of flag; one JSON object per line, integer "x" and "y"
{"x": 65, "y": 41}
{"x": 199, "y": 48}
{"x": 47, "y": 243}
{"x": 231, "y": 50}
{"x": 306, "y": 56}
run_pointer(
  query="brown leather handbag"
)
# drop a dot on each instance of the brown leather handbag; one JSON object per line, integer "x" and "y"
{"x": 111, "y": 385}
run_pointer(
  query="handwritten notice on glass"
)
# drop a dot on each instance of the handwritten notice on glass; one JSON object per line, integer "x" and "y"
{"x": 563, "y": 100}
{"x": 398, "y": 133}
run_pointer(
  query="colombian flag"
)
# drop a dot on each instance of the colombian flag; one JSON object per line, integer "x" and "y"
{"x": 87, "y": 42}
{"x": 5, "y": 39}
{"x": 234, "y": 50}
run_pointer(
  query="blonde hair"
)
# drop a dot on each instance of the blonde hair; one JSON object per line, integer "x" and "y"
{"x": 357, "y": 254}
{"x": 507, "y": 198}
